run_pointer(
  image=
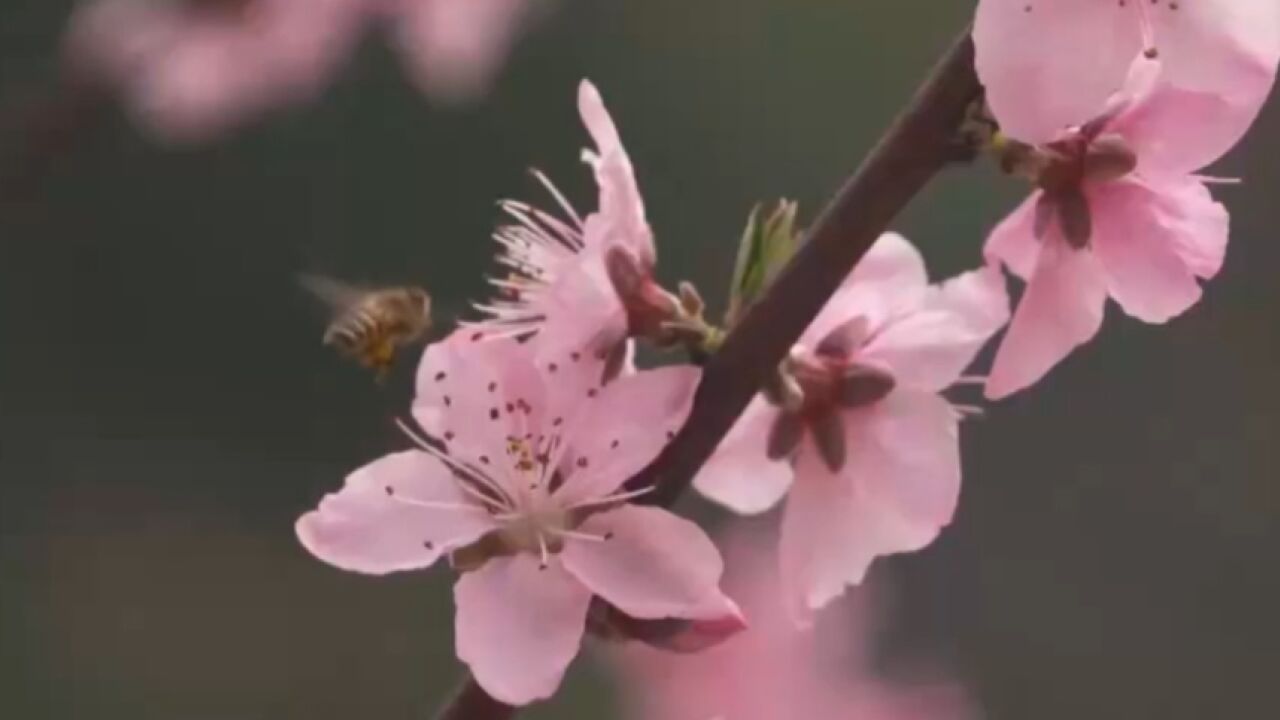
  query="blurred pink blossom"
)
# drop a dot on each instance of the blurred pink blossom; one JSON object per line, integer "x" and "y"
{"x": 526, "y": 497}
{"x": 189, "y": 69}
{"x": 866, "y": 445}
{"x": 774, "y": 669}
{"x": 568, "y": 278}
{"x": 1118, "y": 213}
{"x": 453, "y": 49}
{"x": 1050, "y": 64}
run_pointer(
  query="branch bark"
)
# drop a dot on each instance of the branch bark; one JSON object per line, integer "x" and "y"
{"x": 919, "y": 143}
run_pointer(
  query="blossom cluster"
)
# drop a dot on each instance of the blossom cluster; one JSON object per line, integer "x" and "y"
{"x": 189, "y": 69}
{"x": 528, "y": 423}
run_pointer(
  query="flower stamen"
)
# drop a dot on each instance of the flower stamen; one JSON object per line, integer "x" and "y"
{"x": 501, "y": 500}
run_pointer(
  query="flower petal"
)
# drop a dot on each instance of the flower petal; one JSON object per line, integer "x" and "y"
{"x": 1175, "y": 131}
{"x": 1050, "y": 64}
{"x": 519, "y": 625}
{"x": 624, "y": 427}
{"x": 905, "y": 452}
{"x": 1227, "y": 47}
{"x": 1014, "y": 241}
{"x": 1061, "y": 309}
{"x": 930, "y": 348}
{"x": 831, "y": 533}
{"x": 890, "y": 277}
{"x": 473, "y": 392}
{"x": 1203, "y": 224}
{"x": 596, "y": 118}
{"x": 583, "y": 314}
{"x": 1139, "y": 252}
{"x": 739, "y": 475}
{"x": 455, "y": 48}
{"x": 189, "y": 75}
{"x": 365, "y": 529}
{"x": 892, "y": 261}
{"x": 653, "y": 564}
{"x": 620, "y": 218}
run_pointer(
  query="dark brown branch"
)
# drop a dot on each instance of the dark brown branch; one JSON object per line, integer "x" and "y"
{"x": 920, "y": 142}
{"x": 473, "y": 703}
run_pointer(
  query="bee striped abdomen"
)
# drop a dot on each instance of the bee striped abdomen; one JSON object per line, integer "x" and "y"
{"x": 354, "y": 331}
{"x": 370, "y": 325}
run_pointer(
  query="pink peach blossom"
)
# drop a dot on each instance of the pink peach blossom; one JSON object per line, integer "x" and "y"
{"x": 868, "y": 449}
{"x": 189, "y": 69}
{"x": 1050, "y": 64}
{"x": 454, "y": 48}
{"x": 1118, "y": 214}
{"x": 773, "y": 669}
{"x": 524, "y": 493}
{"x": 567, "y": 277}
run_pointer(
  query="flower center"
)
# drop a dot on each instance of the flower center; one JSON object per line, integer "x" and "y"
{"x": 818, "y": 386}
{"x": 537, "y": 533}
{"x": 1062, "y": 169}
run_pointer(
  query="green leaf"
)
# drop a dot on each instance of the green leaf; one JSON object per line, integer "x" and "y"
{"x": 765, "y": 248}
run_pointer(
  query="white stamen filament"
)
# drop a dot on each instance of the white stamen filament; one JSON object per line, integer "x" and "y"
{"x": 433, "y": 505}
{"x": 1214, "y": 180}
{"x": 555, "y": 193}
{"x": 539, "y": 228}
{"x": 542, "y": 547}
{"x": 503, "y": 501}
{"x": 617, "y": 497}
{"x": 1147, "y": 29}
{"x": 575, "y": 535}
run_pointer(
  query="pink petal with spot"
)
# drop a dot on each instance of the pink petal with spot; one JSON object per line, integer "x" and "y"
{"x": 519, "y": 625}
{"x": 363, "y": 528}
{"x": 620, "y": 430}
{"x": 472, "y": 392}
{"x": 652, "y": 564}
{"x": 1227, "y": 47}
{"x": 1031, "y": 59}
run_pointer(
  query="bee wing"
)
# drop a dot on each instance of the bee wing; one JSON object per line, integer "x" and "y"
{"x": 334, "y": 293}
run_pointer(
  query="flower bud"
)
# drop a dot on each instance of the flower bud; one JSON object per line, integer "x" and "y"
{"x": 673, "y": 634}
{"x": 764, "y": 249}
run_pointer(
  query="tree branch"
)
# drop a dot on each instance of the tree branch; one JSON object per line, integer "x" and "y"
{"x": 921, "y": 141}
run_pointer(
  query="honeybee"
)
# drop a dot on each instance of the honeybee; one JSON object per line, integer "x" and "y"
{"x": 369, "y": 325}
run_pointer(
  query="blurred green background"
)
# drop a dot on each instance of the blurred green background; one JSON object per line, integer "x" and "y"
{"x": 166, "y": 411}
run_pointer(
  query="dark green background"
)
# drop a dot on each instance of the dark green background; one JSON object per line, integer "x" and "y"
{"x": 166, "y": 411}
